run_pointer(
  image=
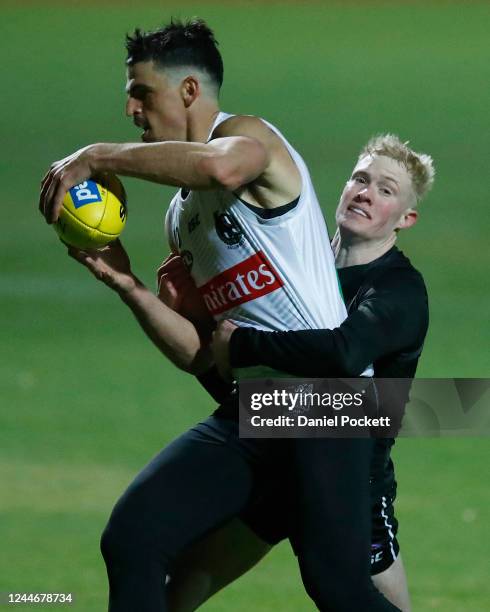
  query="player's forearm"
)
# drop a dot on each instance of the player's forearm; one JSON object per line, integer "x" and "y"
{"x": 173, "y": 335}
{"x": 299, "y": 353}
{"x": 229, "y": 163}
{"x": 168, "y": 163}
{"x": 345, "y": 351}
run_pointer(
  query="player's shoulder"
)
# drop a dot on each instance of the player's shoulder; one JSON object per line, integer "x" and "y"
{"x": 282, "y": 175}
{"x": 394, "y": 277}
{"x": 397, "y": 266}
{"x": 243, "y": 125}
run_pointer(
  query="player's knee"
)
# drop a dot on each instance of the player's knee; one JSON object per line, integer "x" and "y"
{"x": 318, "y": 585}
{"x": 126, "y": 542}
{"x": 117, "y": 544}
{"x": 331, "y": 597}
{"x": 330, "y": 591}
{"x": 328, "y": 597}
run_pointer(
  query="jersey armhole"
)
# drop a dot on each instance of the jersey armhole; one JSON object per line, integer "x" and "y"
{"x": 270, "y": 213}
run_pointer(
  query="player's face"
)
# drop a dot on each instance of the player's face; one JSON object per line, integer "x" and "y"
{"x": 155, "y": 104}
{"x": 376, "y": 200}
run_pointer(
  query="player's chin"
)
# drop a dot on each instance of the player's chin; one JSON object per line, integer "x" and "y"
{"x": 354, "y": 227}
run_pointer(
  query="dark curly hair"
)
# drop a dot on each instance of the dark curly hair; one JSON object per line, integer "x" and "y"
{"x": 190, "y": 43}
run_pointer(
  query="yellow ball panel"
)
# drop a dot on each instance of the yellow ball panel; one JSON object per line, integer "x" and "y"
{"x": 72, "y": 231}
{"x": 114, "y": 217}
{"x": 90, "y": 213}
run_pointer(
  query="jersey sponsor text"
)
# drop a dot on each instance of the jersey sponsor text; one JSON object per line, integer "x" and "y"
{"x": 250, "y": 279}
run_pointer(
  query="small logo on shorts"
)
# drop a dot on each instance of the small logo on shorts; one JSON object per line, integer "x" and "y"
{"x": 376, "y": 553}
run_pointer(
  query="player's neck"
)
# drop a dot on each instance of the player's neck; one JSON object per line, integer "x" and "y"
{"x": 201, "y": 121}
{"x": 353, "y": 251}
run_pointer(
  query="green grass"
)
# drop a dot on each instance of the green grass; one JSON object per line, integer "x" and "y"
{"x": 86, "y": 400}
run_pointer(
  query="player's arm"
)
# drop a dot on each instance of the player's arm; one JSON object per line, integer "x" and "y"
{"x": 177, "y": 290}
{"x": 172, "y": 334}
{"x": 227, "y": 162}
{"x": 244, "y": 152}
{"x": 387, "y": 320}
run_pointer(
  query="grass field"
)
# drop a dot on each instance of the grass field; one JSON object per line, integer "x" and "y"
{"x": 86, "y": 400}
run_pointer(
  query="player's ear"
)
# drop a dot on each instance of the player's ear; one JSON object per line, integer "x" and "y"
{"x": 190, "y": 90}
{"x": 408, "y": 218}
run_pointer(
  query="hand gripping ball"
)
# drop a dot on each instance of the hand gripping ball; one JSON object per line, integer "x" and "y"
{"x": 93, "y": 213}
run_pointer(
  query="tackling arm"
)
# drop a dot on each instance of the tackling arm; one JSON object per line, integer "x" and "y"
{"x": 390, "y": 318}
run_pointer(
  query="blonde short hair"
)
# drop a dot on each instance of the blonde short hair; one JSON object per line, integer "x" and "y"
{"x": 419, "y": 165}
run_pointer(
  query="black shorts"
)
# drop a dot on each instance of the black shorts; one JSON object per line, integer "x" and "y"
{"x": 269, "y": 513}
{"x": 271, "y": 506}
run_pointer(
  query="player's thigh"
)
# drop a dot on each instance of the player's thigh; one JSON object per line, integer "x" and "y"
{"x": 213, "y": 562}
{"x": 192, "y": 486}
{"x": 392, "y": 582}
{"x": 332, "y": 483}
{"x": 227, "y": 553}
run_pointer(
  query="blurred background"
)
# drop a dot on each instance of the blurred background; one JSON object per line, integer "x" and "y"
{"x": 86, "y": 400}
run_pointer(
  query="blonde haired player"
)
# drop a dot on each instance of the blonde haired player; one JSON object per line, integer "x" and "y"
{"x": 386, "y": 326}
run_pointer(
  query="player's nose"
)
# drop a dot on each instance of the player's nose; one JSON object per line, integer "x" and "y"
{"x": 132, "y": 107}
{"x": 363, "y": 195}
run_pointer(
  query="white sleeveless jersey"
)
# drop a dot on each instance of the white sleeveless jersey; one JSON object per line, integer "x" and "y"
{"x": 273, "y": 274}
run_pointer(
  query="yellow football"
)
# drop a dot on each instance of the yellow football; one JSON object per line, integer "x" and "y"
{"x": 93, "y": 213}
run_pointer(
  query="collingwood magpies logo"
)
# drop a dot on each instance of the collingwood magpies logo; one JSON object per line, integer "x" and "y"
{"x": 228, "y": 229}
